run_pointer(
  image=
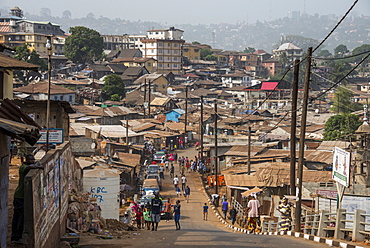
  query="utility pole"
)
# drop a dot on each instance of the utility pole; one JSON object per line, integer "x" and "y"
{"x": 293, "y": 128}
{"x": 145, "y": 99}
{"x": 298, "y": 210}
{"x": 201, "y": 127}
{"x": 49, "y": 51}
{"x": 127, "y": 133}
{"x": 216, "y": 148}
{"x": 186, "y": 114}
{"x": 149, "y": 92}
{"x": 249, "y": 150}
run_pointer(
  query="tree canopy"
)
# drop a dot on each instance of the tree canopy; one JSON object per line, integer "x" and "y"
{"x": 342, "y": 101}
{"x": 84, "y": 45}
{"x": 340, "y": 50}
{"x": 204, "y": 52}
{"x": 113, "y": 86}
{"x": 249, "y": 50}
{"x": 340, "y": 126}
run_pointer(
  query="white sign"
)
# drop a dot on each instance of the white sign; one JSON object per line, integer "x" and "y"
{"x": 341, "y": 164}
{"x": 56, "y": 136}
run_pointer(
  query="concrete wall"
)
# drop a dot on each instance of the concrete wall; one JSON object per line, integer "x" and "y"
{"x": 46, "y": 197}
{"x": 4, "y": 187}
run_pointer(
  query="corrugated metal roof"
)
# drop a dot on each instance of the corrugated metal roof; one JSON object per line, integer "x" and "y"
{"x": 114, "y": 131}
{"x": 10, "y": 63}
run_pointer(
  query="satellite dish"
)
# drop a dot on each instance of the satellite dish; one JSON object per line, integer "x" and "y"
{"x": 93, "y": 145}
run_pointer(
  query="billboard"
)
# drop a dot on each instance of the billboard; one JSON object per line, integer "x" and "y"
{"x": 341, "y": 164}
{"x": 56, "y": 136}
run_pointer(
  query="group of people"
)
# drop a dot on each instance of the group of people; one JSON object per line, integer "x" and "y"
{"x": 184, "y": 188}
{"x": 150, "y": 215}
{"x": 196, "y": 165}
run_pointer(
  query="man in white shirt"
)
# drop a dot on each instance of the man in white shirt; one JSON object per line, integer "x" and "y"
{"x": 176, "y": 181}
{"x": 183, "y": 182}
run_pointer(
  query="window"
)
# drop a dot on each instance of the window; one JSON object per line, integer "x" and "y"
{"x": 196, "y": 50}
{"x": 152, "y": 50}
{"x": 169, "y": 44}
{"x": 160, "y": 44}
{"x": 70, "y": 98}
{"x": 175, "y": 65}
{"x": 149, "y": 64}
{"x": 160, "y": 51}
{"x": 175, "y": 45}
{"x": 131, "y": 64}
{"x": 159, "y": 65}
{"x": 186, "y": 50}
{"x": 175, "y": 58}
{"x": 38, "y": 37}
{"x": 176, "y": 52}
{"x": 55, "y": 98}
{"x": 61, "y": 98}
{"x": 168, "y": 65}
{"x": 160, "y": 58}
{"x": 196, "y": 57}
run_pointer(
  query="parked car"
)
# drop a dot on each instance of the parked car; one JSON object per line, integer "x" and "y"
{"x": 157, "y": 157}
{"x": 155, "y": 176}
{"x": 150, "y": 186}
{"x": 146, "y": 199}
{"x": 152, "y": 169}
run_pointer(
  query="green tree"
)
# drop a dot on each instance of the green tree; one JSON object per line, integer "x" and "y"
{"x": 361, "y": 49}
{"x": 249, "y": 50}
{"x": 342, "y": 102}
{"x": 204, "y": 52}
{"x": 339, "y": 70}
{"x": 115, "y": 97}
{"x": 340, "y": 50}
{"x": 324, "y": 53}
{"x": 84, "y": 45}
{"x": 113, "y": 85}
{"x": 211, "y": 58}
{"x": 283, "y": 59}
{"x": 24, "y": 54}
{"x": 340, "y": 126}
{"x": 195, "y": 43}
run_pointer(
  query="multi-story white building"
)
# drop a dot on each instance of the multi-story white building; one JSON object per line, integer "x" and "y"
{"x": 165, "y": 46}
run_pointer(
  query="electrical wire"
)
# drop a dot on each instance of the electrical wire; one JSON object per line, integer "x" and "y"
{"x": 327, "y": 36}
{"x": 347, "y": 57}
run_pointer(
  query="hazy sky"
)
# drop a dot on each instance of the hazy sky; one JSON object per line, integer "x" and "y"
{"x": 189, "y": 11}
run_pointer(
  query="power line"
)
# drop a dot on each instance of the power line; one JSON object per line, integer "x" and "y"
{"x": 327, "y": 36}
{"x": 351, "y": 56}
{"x": 354, "y": 68}
{"x": 335, "y": 27}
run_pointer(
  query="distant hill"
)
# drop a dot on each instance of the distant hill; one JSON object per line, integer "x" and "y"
{"x": 353, "y": 32}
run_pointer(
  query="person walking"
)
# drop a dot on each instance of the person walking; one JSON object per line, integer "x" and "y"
{"x": 232, "y": 215}
{"x": 187, "y": 193}
{"x": 178, "y": 191}
{"x": 252, "y": 208}
{"x": 147, "y": 216}
{"x": 156, "y": 211}
{"x": 205, "y": 211}
{"x": 172, "y": 171}
{"x": 18, "y": 203}
{"x": 175, "y": 181}
{"x": 183, "y": 182}
{"x": 161, "y": 172}
{"x": 138, "y": 215}
{"x": 167, "y": 209}
{"x": 225, "y": 207}
{"x": 285, "y": 208}
{"x": 177, "y": 213}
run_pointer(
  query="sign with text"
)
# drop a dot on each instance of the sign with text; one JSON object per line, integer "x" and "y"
{"x": 56, "y": 136}
{"x": 341, "y": 164}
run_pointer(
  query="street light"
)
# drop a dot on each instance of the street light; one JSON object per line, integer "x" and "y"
{"x": 49, "y": 51}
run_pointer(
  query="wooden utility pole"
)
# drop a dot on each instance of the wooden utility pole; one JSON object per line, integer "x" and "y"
{"x": 249, "y": 150}
{"x": 186, "y": 115}
{"x": 293, "y": 128}
{"x": 216, "y": 148}
{"x": 201, "y": 127}
{"x": 298, "y": 210}
{"x": 145, "y": 99}
{"x": 149, "y": 92}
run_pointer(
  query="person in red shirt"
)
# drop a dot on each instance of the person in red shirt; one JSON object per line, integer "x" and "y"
{"x": 167, "y": 209}
{"x": 139, "y": 216}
